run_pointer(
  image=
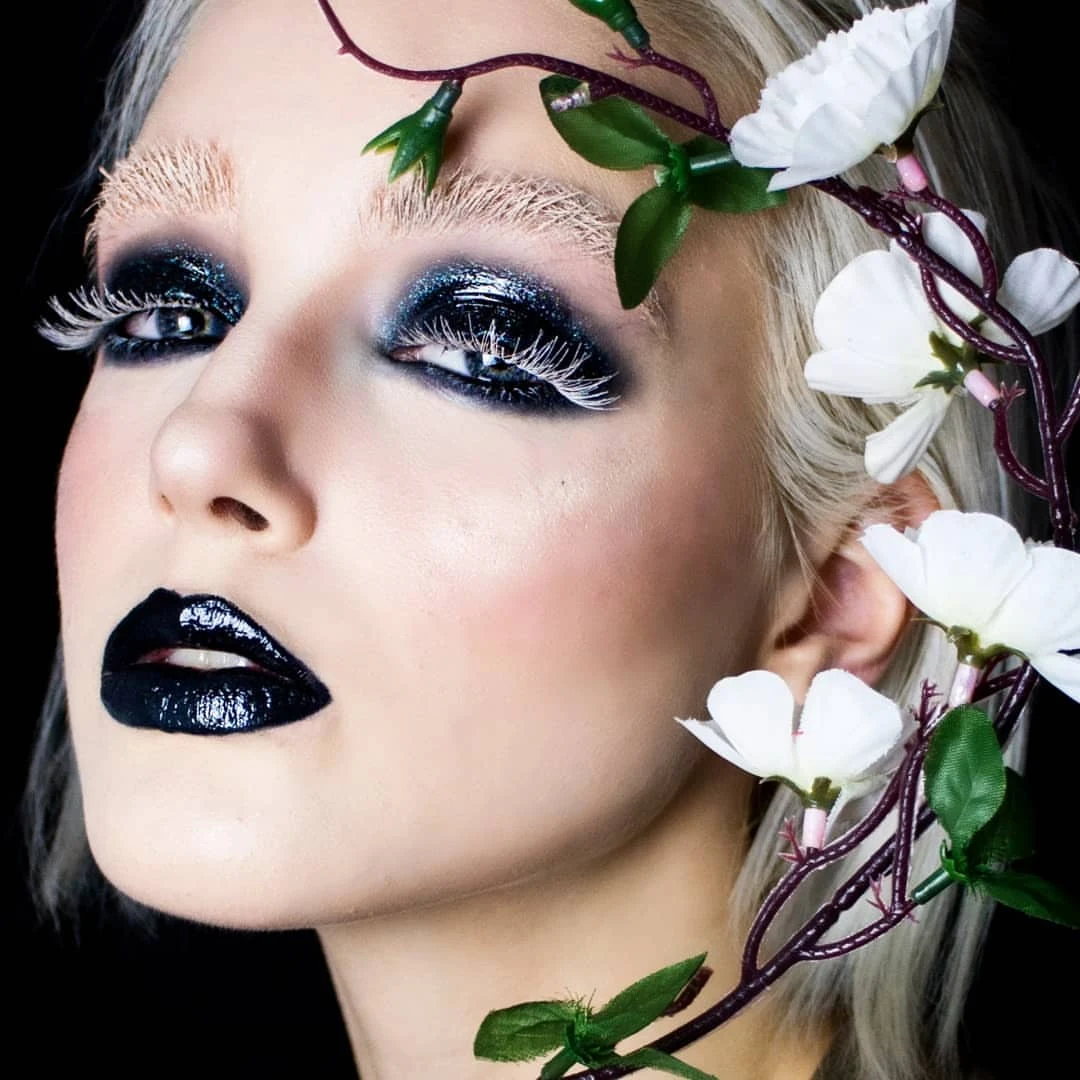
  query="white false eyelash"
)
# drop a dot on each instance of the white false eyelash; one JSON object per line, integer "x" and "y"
{"x": 79, "y": 326}
{"x": 557, "y": 363}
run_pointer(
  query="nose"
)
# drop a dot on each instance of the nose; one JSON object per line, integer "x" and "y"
{"x": 224, "y": 469}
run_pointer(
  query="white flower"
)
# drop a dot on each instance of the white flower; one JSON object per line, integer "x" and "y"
{"x": 858, "y": 90}
{"x": 875, "y": 327}
{"x": 845, "y": 733}
{"x": 973, "y": 574}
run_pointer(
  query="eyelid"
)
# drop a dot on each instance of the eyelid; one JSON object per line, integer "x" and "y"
{"x": 543, "y": 358}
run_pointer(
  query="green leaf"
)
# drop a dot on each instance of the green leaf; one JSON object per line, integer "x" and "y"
{"x": 965, "y": 775}
{"x": 1032, "y": 895}
{"x": 657, "y": 1059}
{"x": 727, "y": 186}
{"x": 563, "y": 1061}
{"x": 523, "y": 1032}
{"x": 942, "y": 380}
{"x": 1010, "y": 833}
{"x": 612, "y": 133}
{"x": 642, "y": 1002}
{"x": 649, "y": 234}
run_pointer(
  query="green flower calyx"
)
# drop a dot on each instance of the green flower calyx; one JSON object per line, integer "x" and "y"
{"x": 417, "y": 139}
{"x": 620, "y": 16}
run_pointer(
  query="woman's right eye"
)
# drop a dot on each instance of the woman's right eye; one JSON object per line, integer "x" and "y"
{"x": 165, "y": 302}
{"x": 157, "y": 331}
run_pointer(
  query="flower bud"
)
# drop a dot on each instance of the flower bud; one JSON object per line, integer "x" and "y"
{"x": 619, "y": 15}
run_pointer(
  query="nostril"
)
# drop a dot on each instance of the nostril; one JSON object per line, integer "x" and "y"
{"x": 234, "y": 510}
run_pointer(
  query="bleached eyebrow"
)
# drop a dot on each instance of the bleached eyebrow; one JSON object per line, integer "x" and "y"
{"x": 178, "y": 179}
{"x": 190, "y": 177}
{"x": 540, "y": 205}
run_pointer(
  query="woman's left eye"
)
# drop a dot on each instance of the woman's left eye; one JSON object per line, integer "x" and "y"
{"x": 500, "y": 338}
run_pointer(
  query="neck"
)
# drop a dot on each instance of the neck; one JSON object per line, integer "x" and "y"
{"x": 414, "y": 986}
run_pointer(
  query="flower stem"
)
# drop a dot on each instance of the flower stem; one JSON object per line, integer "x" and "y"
{"x": 981, "y": 388}
{"x": 936, "y": 883}
{"x": 964, "y": 683}
{"x": 813, "y": 828}
{"x": 911, "y": 173}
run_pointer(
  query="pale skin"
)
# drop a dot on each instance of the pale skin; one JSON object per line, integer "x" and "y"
{"x": 509, "y": 609}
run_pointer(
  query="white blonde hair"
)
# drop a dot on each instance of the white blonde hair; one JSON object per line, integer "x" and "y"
{"x": 897, "y": 1004}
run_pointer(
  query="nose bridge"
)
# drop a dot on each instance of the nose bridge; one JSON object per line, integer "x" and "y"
{"x": 223, "y": 459}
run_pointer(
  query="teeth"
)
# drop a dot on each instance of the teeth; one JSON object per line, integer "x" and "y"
{"x": 199, "y": 659}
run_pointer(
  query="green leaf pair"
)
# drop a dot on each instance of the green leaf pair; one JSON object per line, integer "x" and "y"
{"x": 985, "y": 809}
{"x": 616, "y": 134}
{"x": 417, "y": 139}
{"x": 582, "y": 1036}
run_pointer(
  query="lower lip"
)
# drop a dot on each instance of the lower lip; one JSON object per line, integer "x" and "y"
{"x": 220, "y": 702}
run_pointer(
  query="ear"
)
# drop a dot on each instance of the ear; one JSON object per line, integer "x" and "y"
{"x": 847, "y": 614}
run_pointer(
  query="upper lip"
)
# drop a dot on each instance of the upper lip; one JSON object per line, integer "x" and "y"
{"x": 165, "y": 619}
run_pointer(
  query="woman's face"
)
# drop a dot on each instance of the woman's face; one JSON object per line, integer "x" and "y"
{"x": 507, "y": 595}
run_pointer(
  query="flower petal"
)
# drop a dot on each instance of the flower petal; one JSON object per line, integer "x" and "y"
{"x": 1061, "y": 670}
{"x": 754, "y": 713}
{"x": 874, "y": 309}
{"x": 901, "y": 559}
{"x": 831, "y": 140}
{"x": 970, "y": 563}
{"x": 845, "y": 729}
{"x": 708, "y": 733}
{"x": 907, "y": 90}
{"x": 1040, "y": 288}
{"x": 1041, "y": 612}
{"x": 897, "y": 449}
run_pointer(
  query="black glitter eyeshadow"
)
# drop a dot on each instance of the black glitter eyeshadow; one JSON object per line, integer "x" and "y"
{"x": 483, "y": 292}
{"x": 179, "y": 273}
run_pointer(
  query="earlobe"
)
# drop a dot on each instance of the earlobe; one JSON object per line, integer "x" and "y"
{"x": 849, "y": 614}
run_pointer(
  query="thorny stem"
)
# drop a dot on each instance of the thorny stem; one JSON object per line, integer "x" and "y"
{"x": 601, "y": 83}
{"x": 886, "y": 213}
{"x": 1069, "y": 415}
{"x": 987, "y": 266}
{"x": 698, "y": 82}
{"x": 1009, "y": 461}
{"x": 989, "y": 687}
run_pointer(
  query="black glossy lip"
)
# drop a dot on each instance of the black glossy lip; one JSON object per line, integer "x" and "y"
{"x": 280, "y": 690}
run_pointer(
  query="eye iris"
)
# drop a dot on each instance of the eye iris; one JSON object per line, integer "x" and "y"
{"x": 496, "y": 369}
{"x": 161, "y": 324}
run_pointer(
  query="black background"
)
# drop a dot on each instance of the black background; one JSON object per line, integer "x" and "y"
{"x": 193, "y": 999}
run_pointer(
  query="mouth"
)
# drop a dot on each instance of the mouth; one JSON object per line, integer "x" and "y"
{"x": 201, "y": 666}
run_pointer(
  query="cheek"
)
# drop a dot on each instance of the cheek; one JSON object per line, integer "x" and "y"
{"x": 539, "y": 628}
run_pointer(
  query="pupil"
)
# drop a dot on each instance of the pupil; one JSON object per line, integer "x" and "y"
{"x": 175, "y": 323}
{"x": 495, "y": 369}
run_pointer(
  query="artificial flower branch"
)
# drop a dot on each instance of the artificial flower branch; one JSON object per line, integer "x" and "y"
{"x": 927, "y": 27}
{"x": 601, "y": 84}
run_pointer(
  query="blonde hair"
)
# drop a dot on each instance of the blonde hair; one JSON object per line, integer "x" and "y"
{"x": 899, "y": 1002}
